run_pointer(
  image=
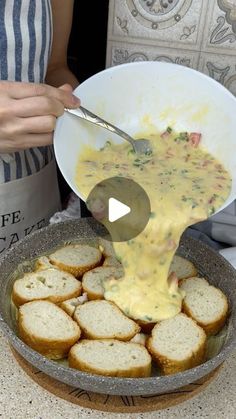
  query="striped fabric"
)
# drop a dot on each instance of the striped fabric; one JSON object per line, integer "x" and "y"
{"x": 25, "y": 45}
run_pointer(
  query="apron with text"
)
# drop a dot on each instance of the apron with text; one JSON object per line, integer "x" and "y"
{"x": 27, "y": 204}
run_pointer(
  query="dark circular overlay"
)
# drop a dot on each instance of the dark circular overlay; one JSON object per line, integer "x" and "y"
{"x": 107, "y": 200}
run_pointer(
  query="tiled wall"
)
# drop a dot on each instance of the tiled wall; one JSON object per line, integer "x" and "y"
{"x": 197, "y": 33}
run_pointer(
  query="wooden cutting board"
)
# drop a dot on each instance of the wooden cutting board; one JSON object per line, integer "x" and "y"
{"x": 107, "y": 403}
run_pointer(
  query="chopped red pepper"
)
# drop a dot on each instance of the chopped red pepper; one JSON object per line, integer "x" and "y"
{"x": 195, "y": 138}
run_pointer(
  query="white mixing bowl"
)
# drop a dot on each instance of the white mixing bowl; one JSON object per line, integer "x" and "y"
{"x": 144, "y": 95}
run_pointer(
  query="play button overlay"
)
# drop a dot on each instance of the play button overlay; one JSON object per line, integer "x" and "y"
{"x": 116, "y": 210}
{"x": 121, "y": 205}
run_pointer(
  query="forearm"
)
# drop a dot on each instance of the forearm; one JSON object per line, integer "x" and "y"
{"x": 61, "y": 75}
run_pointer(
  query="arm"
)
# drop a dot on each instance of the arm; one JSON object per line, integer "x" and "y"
{"x": 58, "y": 72}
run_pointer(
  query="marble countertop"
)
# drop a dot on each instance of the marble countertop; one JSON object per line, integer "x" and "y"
{"x": 22, "y": 398}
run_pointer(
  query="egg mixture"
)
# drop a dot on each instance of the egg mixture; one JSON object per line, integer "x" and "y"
{"x": 185, "y": 185}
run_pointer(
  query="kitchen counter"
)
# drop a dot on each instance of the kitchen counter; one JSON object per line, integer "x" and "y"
{"x": 22, "y": 398}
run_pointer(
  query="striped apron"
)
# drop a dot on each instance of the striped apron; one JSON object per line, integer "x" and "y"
{"x": 29, "y": 192}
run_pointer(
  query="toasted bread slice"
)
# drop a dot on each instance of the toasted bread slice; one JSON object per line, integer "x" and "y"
{"x": 177, "y": 344}
{"x": 182, "y": 267}
{"x": 140, "y": 338}
{"x": 47, "y": 329}
{"x": 69, "y": 306}
{"x": 100, "y": 319}
{"x": 190, "y": 284}
{"x": 43, "y": 263}
{"x": 106, "y": 247}
{"x": 111, "y": 261}
{"x": 76, "y": 259}
{"x": 111, "y": 358}
{"x": 48, "y": 284}
{"x": 92, "y": 281}
{"x": 206, "y": 304}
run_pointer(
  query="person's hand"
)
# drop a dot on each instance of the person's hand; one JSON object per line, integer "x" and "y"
{"x": 28, "y": 113}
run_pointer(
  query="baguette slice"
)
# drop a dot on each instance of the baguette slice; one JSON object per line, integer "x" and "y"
{"x": 48, "y": 284}
{"x": 76, "y": 259}
{"x": 191, "y": 284}
{"x": 177, "y": 344}
{"x": 112, "y": 262}
{"x": 206, "y": 304}
{"x": 43, "y": 263}
{"x": 47, "y": 329}
{"x": 140, "y": 338}
{"x": 92, "y": 281}
{"x": 69, "y": 306}
{"x": 106, "y": 247}
{"x": 111, "y": 358}
{"x": 182, "y": 267}
{"x": 100, "y": 319}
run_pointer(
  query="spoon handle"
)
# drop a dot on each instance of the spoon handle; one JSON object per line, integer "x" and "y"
{"x": 84, "y": 113}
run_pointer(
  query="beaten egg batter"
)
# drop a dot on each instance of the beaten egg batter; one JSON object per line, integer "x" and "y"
{"x": 185, "y": 184}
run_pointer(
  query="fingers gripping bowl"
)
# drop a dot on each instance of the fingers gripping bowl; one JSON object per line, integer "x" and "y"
{"x": 208, "y": 263}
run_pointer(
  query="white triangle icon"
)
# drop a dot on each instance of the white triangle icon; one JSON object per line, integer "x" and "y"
{"x": 116, "y": 210}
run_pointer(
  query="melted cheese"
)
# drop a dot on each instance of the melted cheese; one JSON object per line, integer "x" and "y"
{"x": 185, "y": 184}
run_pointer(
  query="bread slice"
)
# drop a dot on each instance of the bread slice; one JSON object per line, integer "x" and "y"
{"x": 106, "y": 247}
{"x": 190, "y": 284}
{"x": 69, "y": 306}
{"x": 92, "y": 281}
{"x": 111, "y": 261}
{"x": 48, "y": 284}
{"x": 111, "y": 358}
{"x": 47, "y": 329}
{"x": 182, "y": 267}
{"x": 43, "y": 263}
{"x": 76, "y": 259}
{"x": 100, "y": 319}
{"x": 140, "y": 338}
{"x": 206, "y": 304}
{"x": 177, "y": 344}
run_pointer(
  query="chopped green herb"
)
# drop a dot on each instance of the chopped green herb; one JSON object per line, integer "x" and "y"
{"x": 107, "y": 144}
{"x": 148, "y": 318}
{"x": 211, "y": 210}
{"x": 183, "y": 136}
{"x": 152, "y": 215}
{"x": 148, "y": 152}
{"x": 169, "y": 130}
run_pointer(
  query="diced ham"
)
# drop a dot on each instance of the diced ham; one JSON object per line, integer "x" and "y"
{"x": 205, "y": 163}
{"x": 195, "y": 138}
{"x": 173, "y": 281}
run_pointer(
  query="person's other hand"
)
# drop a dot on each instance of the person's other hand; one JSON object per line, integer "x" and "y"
{"x": 28, "y": 113}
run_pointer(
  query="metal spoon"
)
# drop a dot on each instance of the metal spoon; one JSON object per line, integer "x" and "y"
{"x": 140, "y": 146}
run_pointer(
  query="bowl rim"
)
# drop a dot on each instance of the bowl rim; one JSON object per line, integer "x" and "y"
{"x": 43, "y": 363}
{"x": 163, "y": 64}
